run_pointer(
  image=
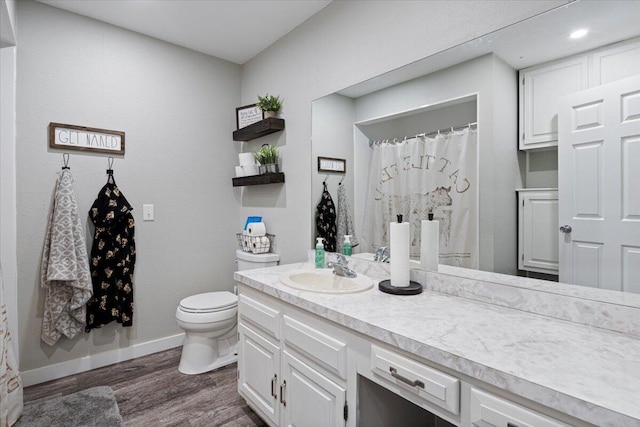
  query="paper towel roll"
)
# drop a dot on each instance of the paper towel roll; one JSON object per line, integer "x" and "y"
{"x": 429, "y": 245}
{"x": 256, "y": 229}
{"x": 399, "y": 242}
{"x": 246, "y": 159}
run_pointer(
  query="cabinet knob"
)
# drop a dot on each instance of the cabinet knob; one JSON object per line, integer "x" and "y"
{"x": 565, "y": 229}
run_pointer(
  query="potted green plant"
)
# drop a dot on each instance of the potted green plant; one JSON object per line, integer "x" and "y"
{"x": 270, "y": 104}
{"x": 267, "y": 156}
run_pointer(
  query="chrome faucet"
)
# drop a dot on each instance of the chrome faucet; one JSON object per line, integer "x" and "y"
{"x": 341, "y": 267}
{"x": 382, "y": 254}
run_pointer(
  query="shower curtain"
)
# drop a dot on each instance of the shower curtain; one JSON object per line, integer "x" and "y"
{"x": 10, "y": 382}
{"x": 423, "y": 174}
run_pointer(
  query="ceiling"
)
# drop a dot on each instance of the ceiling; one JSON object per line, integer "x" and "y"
{"x": 536, "y": 40}
{"x": 234, "y": 30}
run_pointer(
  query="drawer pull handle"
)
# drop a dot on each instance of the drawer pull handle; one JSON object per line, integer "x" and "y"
{"x": 414, "y": 383}
{"x": 283, "y": 386}
{"x": 274, "y": 380}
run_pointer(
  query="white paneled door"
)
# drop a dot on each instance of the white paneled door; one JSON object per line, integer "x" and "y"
{"x": 599, "y": 186}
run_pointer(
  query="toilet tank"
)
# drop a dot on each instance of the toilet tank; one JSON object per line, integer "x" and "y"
{"x": 249, "y": 261}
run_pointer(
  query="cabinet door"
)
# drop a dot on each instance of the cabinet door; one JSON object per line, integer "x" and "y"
{"x": 309, "y": 398}
{"x": 540, "y": 88}
{"x": 258, "y": 369}
{"x": 615, "y": 63}
{"x": 538, "y": 226}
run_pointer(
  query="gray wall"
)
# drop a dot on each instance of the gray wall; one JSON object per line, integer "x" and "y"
{"x": 344, "y": 44}
{"x": 177, "y": 109}
{"x": 542, "y": 168}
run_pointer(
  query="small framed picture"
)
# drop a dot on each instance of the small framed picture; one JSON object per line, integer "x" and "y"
{"x": 248, "y": 115}
{"x": 331, "y": 164}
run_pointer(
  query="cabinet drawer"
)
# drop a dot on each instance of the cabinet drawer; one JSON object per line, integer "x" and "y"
{"x": 259, "y": 315}
{"x": 427, "y": 383}
{"x": 318, "y": 346}
{"x": 488, "y": 411}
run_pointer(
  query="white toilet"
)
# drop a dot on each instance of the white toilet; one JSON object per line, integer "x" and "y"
{"x": 210, "y": 322}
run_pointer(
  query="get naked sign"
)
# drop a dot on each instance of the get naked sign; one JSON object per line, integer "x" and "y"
{"x": 71, "y": 137}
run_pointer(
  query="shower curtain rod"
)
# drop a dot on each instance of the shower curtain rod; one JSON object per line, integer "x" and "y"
{"x": 436, "y": 132}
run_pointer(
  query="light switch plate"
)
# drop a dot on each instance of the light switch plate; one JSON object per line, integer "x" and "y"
{"x": 147, "y": 213}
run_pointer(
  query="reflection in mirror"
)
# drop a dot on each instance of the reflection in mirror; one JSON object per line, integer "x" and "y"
{"x": 479, "y": 82}
{"x": 418, "y": 173}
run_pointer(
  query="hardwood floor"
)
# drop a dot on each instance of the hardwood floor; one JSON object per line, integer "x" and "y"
{"x": 151, "y": 392}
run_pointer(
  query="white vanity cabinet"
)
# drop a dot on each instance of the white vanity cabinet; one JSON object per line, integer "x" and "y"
{"x": 538, "y": 230}
{"x": 289, "y": 373}
{"x": 300, "y": 369}
{"x": 542, "y": 85}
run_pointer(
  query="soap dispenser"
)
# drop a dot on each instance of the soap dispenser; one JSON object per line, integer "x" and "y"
{"x": 319, "y": 253}
{"x": 346, "y": 247}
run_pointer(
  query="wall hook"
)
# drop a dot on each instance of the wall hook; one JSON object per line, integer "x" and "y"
{"x": 110, "y": 162}
{"x": 110, "y": 171}
{"x": 65, "y": 161}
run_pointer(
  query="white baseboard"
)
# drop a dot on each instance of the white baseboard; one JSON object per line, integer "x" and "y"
{"x": 87, "y": 363}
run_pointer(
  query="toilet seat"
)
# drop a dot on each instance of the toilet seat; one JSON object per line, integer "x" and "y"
{"x": 209, "y": 302}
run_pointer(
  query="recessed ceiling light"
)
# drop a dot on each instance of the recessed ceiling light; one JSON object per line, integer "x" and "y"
{"x": 579, "y": 33}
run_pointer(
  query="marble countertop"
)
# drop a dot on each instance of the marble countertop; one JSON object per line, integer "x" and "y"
{"x": 587, "y": 372}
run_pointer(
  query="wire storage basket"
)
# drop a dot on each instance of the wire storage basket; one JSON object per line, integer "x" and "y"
{"x": 255, "y": 244}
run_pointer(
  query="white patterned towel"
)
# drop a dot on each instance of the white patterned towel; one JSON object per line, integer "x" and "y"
{"x": 64, "y": 273}
{"x": 345, "y": 223}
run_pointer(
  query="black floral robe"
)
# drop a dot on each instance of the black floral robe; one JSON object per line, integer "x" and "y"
{"x": 113, "y": 257}
{"x": 326, "y": 220}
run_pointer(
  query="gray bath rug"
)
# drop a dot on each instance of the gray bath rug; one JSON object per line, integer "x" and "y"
{"x": 93, "y": 407}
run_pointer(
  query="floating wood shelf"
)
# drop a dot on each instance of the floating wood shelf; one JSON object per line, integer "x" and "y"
{"x": 267, "y": 178}
{"x": 258, "y": 129}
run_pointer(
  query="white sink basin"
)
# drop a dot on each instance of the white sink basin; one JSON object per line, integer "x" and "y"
{"x": 324, "y": 281}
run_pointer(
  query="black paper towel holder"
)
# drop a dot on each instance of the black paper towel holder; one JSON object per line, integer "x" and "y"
{"x": 414, "y": 288}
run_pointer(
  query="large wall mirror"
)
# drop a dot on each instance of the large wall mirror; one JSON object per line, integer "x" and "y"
{"x": 472, "y": 86}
